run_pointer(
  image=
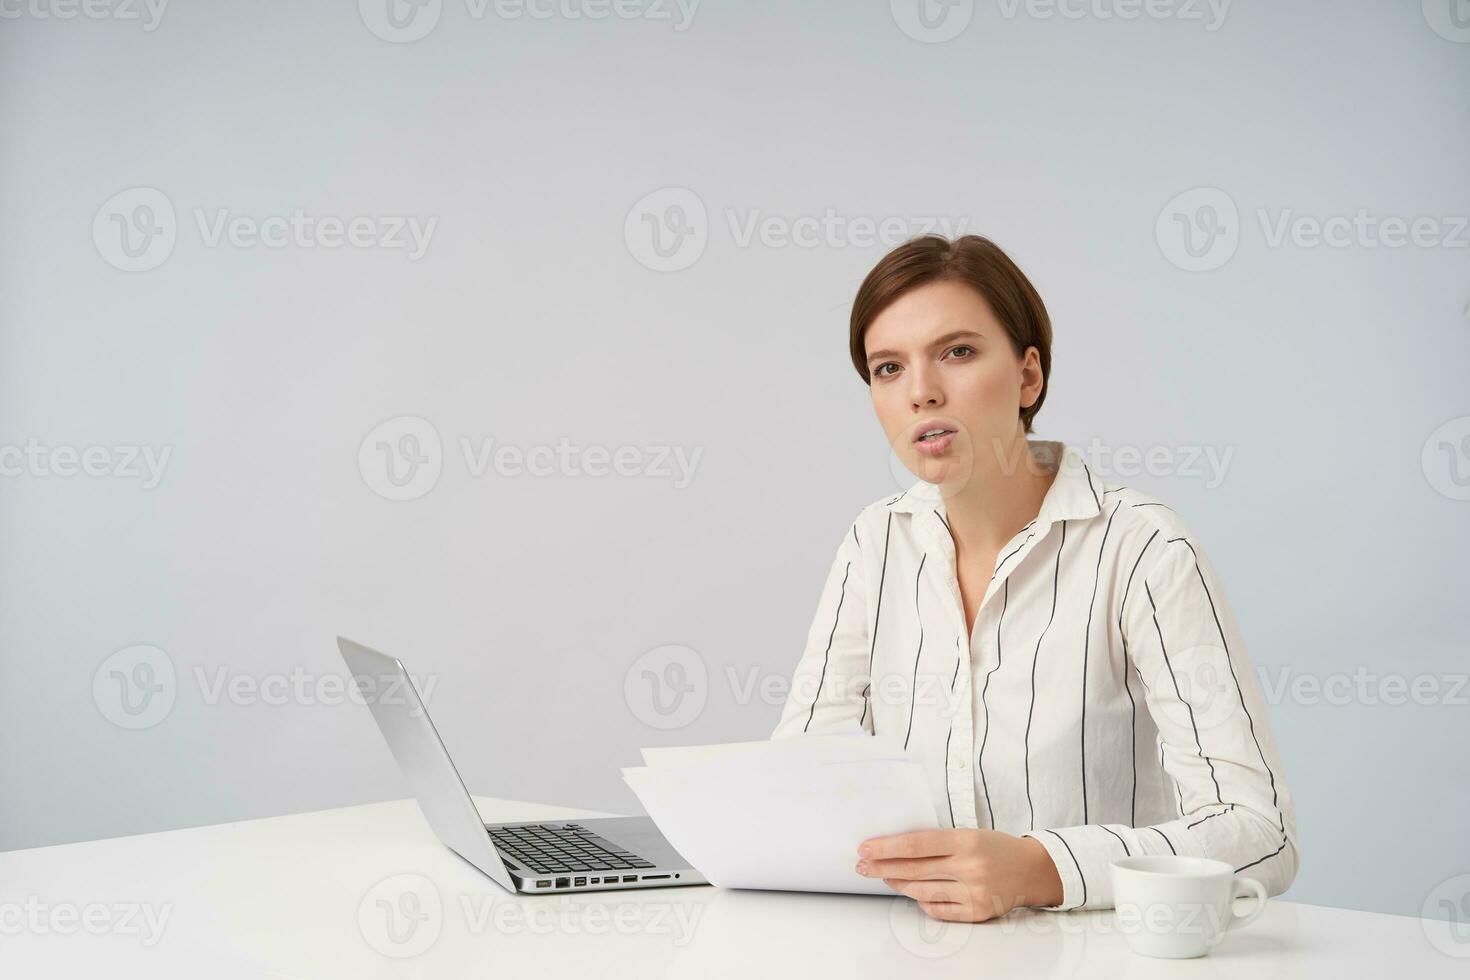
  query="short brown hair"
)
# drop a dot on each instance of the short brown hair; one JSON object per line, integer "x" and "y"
{"x": 975, "y": 261}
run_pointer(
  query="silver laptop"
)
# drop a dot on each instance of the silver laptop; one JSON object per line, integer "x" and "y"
{"x": 592, "y": 854}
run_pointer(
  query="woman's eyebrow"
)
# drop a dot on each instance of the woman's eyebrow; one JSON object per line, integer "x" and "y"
{"x": 953, "y": 335}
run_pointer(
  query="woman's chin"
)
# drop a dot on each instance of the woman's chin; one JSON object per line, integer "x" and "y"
{"x": 948, "y": 471}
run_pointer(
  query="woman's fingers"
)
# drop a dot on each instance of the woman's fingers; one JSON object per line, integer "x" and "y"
{"x": 929, "y": 890}
{"x": 921, "y": 843}
{"x": 949, "y": 911}
{"x": 911, "y": 868}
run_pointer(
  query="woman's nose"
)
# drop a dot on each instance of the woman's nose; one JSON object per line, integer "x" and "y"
{"x": 925, "y": 393}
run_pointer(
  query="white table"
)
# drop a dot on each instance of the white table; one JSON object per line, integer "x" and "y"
{"x": 309, "y": 896}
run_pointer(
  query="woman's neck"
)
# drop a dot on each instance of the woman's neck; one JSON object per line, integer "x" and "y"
{"x": 999, "y": 500}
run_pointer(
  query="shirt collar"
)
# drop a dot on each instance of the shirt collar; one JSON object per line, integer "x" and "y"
{"x": 1075, "y": 494}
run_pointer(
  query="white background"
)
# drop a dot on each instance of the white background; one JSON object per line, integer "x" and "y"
{"x": 536, "y": 314}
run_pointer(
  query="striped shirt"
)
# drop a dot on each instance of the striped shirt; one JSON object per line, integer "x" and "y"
{"x": 1104, "y": 703}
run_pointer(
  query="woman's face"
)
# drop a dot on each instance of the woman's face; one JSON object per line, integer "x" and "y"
{"x": 938, "y": 358}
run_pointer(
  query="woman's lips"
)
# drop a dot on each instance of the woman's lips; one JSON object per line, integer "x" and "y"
{"x": 935, "y": 445}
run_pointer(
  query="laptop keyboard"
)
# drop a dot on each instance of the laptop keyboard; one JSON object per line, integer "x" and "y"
{"x": 549, "y": 849}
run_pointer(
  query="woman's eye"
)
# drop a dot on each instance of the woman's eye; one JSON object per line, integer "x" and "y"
{"x": 879, "y": 369}
{"x": 966, "y": 348}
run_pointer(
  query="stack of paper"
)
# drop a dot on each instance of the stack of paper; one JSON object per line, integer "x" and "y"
{"x": 784, "y": 814}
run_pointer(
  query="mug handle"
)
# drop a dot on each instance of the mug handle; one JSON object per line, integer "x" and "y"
{"x": 1244, "y": 887}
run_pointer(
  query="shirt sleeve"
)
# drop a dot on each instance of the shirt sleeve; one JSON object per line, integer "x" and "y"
{"x": 1182, "y": 642}
{"x": 829, "y": 683}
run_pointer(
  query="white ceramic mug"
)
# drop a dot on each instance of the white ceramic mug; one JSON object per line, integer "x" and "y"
{"x": 1179, "y": 907}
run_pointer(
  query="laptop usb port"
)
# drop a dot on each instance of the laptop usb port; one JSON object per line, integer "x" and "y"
{"x": 563, "y": 882}
{"x": 630, "y": 877}
{"x": 544, "y": 883}
{"x": 580, "y": 881}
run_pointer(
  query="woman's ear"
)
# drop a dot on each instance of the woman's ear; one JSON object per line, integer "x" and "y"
{"x": 1032, "y": 380}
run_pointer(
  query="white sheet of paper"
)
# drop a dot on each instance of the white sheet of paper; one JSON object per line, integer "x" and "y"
{"x": 788, "y": 816}
{"x": 667, "y": 757}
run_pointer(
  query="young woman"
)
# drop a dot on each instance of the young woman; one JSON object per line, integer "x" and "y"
{"x": 1055, "y": 650}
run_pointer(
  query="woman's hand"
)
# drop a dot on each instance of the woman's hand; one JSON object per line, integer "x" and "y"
{"x": 963, "y": 875}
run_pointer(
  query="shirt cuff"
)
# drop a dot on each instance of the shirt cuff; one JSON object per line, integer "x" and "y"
{"x": 1084, "y": 855}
